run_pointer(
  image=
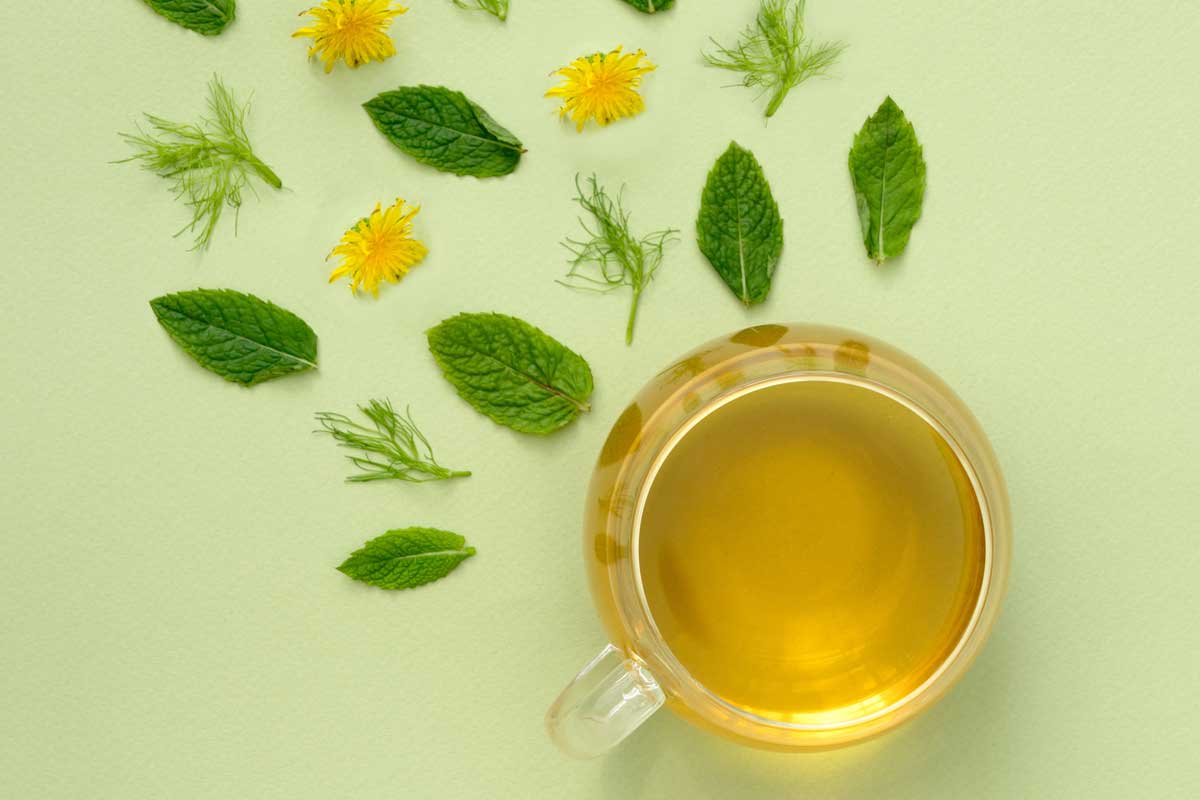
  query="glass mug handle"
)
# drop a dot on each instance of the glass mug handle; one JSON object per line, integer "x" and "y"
{"x": 605, "y": 702}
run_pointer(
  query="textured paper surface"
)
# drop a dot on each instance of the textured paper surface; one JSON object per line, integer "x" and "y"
{"x": 173, "y": 625}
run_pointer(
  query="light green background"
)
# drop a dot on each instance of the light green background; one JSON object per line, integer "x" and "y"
{"x": 172, "y": 623}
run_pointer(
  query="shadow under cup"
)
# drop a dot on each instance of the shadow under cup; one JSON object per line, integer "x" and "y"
{"x": 796, "y": 536}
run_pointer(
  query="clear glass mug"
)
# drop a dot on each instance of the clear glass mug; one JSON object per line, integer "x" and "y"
{"x": 637, "y": 673}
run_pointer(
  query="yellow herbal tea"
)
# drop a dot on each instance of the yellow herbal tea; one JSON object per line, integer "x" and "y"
{"x": 811, "y": 551}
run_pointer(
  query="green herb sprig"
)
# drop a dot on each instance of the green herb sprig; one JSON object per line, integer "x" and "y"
{"x": 208, "y": 164}
{"x": 497, "y": 8}
{"x": 773, "y": 53}
{"x": 610, "y": 256}
{"x": 392, "y": 447}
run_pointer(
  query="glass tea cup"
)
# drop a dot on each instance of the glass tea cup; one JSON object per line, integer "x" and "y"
{"x": 637, "y": 672}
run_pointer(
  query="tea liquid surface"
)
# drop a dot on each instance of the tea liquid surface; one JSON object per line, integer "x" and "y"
{"x": 812, "y": 551}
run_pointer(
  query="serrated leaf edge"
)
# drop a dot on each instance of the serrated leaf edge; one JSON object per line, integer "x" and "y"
{"x": 579, "y": 405}
{"x": 292, "y": 356}
{"x": 864, "y": 211}
{"x": 518, "y": 148}
{"x": 741, "y": 237}
{"x": 503, "y": 135}
{"x": 466, "y": 551}
{"x": 157, "y": 307}
{"x": 226, "y": 19}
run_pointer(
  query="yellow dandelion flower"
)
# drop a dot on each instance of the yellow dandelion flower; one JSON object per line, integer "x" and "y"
{"x": 602, "y": 87}
{"x": 352, "y": 30}
{"x": 378, "y": 248}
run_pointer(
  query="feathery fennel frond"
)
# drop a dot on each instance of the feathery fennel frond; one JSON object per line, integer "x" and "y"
{"x": 611, "y": 256}
{"x": 392, "y": 448}
{"x": 209, "y": 164}
{"x": 773, "y": 54}
{"x": 497, "y": 8}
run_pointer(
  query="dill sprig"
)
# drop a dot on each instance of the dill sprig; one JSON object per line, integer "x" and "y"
{"x": 773, "y": 53}
{"x": 392, "y": 447}
{"x": 611, "y": 256}
{"x": 208, "y": 164}
{"x": 497, "y": 8}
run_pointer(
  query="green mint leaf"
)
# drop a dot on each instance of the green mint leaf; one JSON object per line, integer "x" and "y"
{"x": 739, "y": 229}
{"x": 511, "y": 371}
{"x": 442, "y": 128}
{"x": 208, "y": 17}
{"x": 239, "y": 337}
{"x": 888, "y": 171}
{"x": 407, "y": 557}
{"x": 650, "y": 6}
{"x": 497, "y": 8}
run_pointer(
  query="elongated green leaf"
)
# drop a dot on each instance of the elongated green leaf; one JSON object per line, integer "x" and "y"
{"x": 511, "y": 371}
{"x": 442, "y": 128}
{"x": 650, "y": 6}
{"x": 739, "y": 229}
{"x": 407, "y": 557}
{"x": 888, "y": 170}
{"x": 239, "y": 337}
{"x": 208, "y": 17}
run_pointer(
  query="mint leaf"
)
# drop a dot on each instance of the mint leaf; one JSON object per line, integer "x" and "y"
{"x": 442, "y": 128}
{"x": 208, "y": 17}
{"x": 239, "y": 337}
{"x": 511, "y": 371}
{"x": 888, "y": 171}
{"x": 739, "y": 229}
{"x": 407, "y": 557}
{"x": 650, "y": 6}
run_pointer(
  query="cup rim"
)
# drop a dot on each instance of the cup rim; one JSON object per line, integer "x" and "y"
{"x": 665, "y": 657}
